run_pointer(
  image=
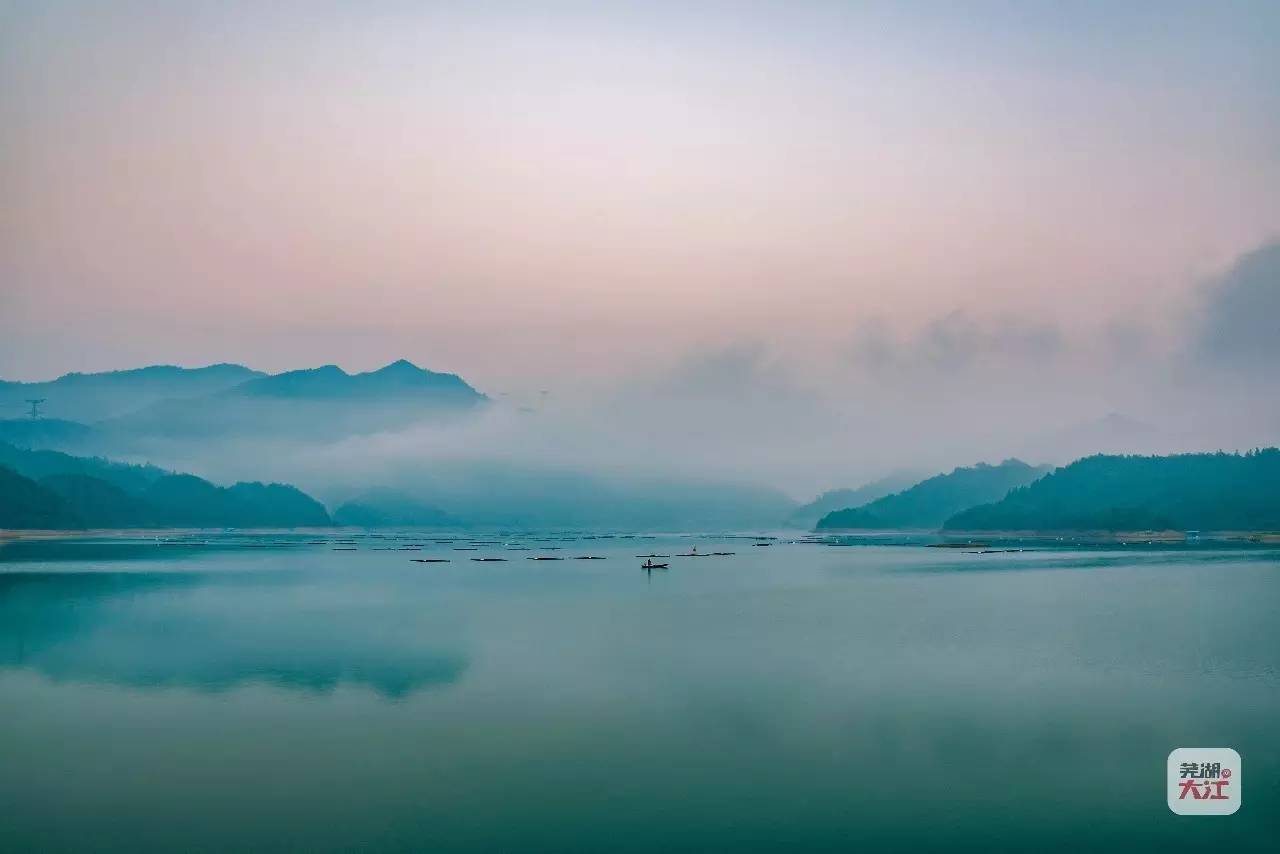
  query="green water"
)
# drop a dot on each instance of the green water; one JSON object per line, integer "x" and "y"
{"x": 795, "y": 697}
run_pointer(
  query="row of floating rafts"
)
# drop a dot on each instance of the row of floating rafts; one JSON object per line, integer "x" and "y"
{"x": 648, "y": 564}
{"x": 351, "y": 545}
{"x": 503, "y": 559}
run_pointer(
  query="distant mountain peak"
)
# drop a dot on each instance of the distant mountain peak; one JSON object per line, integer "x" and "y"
{"x": 322, "y": 370}
{"x": 400, "y": 366}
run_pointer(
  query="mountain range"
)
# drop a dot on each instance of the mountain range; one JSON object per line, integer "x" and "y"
{"x": 119, "y": 411}
{"x": 1213, "y": 492}
{"x": 230, "y": 412}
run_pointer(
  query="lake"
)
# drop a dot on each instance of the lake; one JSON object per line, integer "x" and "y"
{"x": 282, "y": 692}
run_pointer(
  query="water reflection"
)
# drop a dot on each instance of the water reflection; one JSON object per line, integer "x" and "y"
{"x": 212, "y": 633}
{"x": 782, "y": 699}
{"x": 1017, "y": 560}
{"x": 116, "y": 549}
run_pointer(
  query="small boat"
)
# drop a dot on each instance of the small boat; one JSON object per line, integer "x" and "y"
{"x": 695, "y": 554}
{"x": 648, "y": 564}
{"x": 589, "y": 557}
{"x": 546, "y": 558}
{"x": 723, "y": 554}
{"x": 429, "y": 559}
{"x": 653, "y": 555}
{"x": 489, "y": 559}
{"x": 762, "y": 544}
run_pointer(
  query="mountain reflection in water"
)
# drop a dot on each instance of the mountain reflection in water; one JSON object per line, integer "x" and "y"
{"x": 208, "y": 632}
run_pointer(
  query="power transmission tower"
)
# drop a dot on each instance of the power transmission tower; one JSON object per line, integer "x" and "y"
{"x": 35, "y": 406}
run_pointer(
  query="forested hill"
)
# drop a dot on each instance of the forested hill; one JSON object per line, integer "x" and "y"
{"x": 46, "y": 489}
{"x": 931, "y": 502}
{"x": 1216, "y": 492}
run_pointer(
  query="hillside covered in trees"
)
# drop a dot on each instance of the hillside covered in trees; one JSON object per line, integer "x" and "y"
{"x": 1217, "y": 491}
{"x": 47, "y": 489}
{"x": 931, "y": 502}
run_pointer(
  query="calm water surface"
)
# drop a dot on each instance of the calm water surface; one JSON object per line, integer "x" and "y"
{"x": 245, "y": 693}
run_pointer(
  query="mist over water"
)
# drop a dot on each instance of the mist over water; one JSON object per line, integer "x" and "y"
{"x": 961, "y": 391}
{"x": 769, "y": 414}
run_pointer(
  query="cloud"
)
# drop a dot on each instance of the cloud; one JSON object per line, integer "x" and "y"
{"x": 745, "y": 371}
{"x": 959, "y": 341}
{"x": 1237, "y": 329}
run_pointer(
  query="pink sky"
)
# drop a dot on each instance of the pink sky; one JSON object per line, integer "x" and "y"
{"x": 579, "y": 195}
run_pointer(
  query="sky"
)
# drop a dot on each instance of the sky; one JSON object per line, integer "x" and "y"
{"x": 757, "y": 202}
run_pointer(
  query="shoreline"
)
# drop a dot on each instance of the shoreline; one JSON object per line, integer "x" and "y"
{"x": 1261, "y": 537}
{"x": 1075, "y": 536}
{"x": 8, "y": 534}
